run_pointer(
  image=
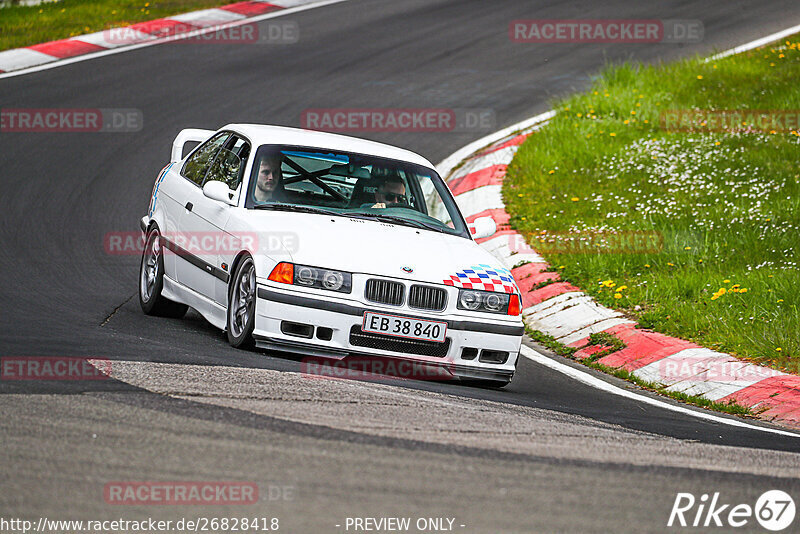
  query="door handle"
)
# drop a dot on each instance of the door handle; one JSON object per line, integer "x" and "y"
{"x": 189, "y": 206}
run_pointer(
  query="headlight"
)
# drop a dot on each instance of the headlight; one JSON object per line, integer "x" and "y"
{"x": 304, "y": 275}
{"x": 488, "y": 301}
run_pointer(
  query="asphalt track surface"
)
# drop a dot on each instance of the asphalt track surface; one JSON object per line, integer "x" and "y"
{"x": 544, "y": 454}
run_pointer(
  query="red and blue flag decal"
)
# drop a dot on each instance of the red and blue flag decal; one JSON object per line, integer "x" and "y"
{"x": 484, "y": 277}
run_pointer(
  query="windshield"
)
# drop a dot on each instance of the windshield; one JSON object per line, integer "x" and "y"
{"x": 352, "y": 185}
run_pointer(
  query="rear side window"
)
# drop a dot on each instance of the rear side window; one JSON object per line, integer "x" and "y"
{"x": 197, "y": 165}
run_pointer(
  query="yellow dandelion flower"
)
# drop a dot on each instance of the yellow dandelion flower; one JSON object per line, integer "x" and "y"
{"x": 647, "y": 265}
{"x": 699, "y": 76}
{"x": 575, "y": 199}
{"x": 551, "y": 172}
{"x": 612, "y": 134}
{"x": 687, "y": 248}
{"x": 717, "y": 143}
{"x": 780, "y": 300}
{"x": 633, "y": 112}
{"x": 726, "y": 281}
{"x": 617, "y": 295}
{"x": 743, "y": 290}
{"x": 778, "y": 349}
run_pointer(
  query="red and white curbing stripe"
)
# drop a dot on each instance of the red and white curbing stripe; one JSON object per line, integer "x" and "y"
{"x": 142, "y": 32}
{"x": 563, "y": 311}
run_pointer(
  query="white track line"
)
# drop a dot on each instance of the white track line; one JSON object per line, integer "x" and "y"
{"x": 755, "y": 44}
{"x": 193, "y": 34}
{"x": 593, "y": 381}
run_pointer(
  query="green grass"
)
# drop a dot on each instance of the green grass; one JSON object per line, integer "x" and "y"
{"x": 25, "y": 26}
{"x": 671, "y": 219}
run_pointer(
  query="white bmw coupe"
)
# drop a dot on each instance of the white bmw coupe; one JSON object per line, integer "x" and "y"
{"x": 327, "y": 246}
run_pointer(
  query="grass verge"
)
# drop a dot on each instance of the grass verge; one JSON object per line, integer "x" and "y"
{"x": 29, "y": 25}
{"x": 694, "y": 233}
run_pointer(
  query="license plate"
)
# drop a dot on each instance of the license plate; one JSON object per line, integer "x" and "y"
{"x": 398, "y": 326}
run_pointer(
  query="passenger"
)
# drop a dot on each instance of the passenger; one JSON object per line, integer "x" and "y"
{"x": 392, "y": 190}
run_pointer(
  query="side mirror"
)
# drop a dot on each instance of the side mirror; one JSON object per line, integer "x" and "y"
{"x": 482, "y": 227}
{"x": 216, "y": 190}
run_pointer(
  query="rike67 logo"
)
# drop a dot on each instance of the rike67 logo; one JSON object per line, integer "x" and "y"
{"x": 774, "y": 510}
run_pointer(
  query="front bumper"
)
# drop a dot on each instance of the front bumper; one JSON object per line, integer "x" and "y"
{"x": 339, "y": 322}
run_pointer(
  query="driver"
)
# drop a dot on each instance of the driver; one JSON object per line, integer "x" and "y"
{"x": 269, "y": 183}
{"x": 392, "y": 190}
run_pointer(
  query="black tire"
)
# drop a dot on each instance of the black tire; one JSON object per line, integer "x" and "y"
{"x": 242, "y": 305}
{"x": 151, "y": 280}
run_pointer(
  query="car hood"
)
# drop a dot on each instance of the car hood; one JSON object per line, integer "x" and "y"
{"x": 365, "y": 246}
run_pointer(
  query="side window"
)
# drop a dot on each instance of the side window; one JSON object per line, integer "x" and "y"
{"x": 227, "y": 167}
{"x": 196, "y": 166}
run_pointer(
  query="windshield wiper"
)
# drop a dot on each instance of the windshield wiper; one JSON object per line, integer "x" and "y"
{"x": 298, "y": 208}
{"x": 397, "y": 220}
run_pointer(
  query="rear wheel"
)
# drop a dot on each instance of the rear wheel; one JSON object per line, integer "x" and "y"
{"x": 242, "y": 305}
{"x": 151, "y": 280}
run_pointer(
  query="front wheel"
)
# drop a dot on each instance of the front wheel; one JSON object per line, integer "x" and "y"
{"x": 151, "y": 280}
{"x": 242, "y": 305}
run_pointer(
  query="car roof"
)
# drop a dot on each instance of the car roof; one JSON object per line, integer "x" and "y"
{"x": 262, "y": 134}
